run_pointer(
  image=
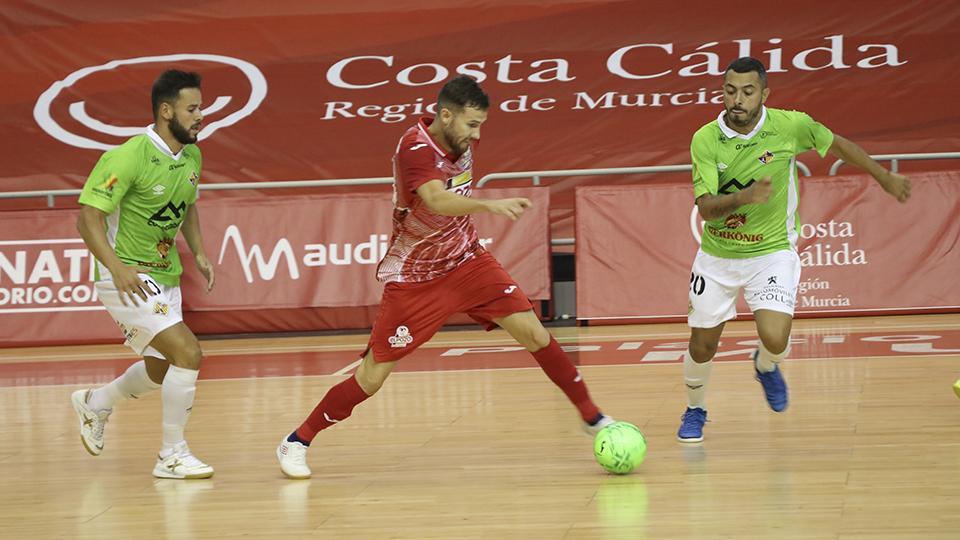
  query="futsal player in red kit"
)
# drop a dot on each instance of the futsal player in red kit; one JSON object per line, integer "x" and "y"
{"x": 435, "y": 267}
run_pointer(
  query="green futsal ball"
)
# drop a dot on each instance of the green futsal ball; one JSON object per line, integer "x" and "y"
{"x": 620, "y": 447}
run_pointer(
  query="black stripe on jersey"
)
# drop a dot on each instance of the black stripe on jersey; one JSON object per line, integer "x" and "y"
{"x": 726, "y": 188}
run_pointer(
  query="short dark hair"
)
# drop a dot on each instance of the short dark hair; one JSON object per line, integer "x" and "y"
{"x": 747, "y": 64}
{"x": 460, "y": 92}
{"x": 168, "y": 85}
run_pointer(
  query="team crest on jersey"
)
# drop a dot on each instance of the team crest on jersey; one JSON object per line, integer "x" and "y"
{"x": 160, "y": 308}
{"x": 194, "y": 178}
{"x": 401, "y": 339}
{"x": 767, "y": 157}
{"x": 163, "y": 246}
{"x": 735, "y": 221}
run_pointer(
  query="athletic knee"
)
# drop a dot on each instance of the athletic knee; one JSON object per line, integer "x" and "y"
{"x": 702, "y": 351}
{"x": 538, "y": 338}
{"x": 371, "y": 376}
{"x": 189, "y": 356}
{"x": 775, "y": 343}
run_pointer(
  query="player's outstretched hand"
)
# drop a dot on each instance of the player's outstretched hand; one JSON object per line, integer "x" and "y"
{"x": 206, "y": 268}
{"x": 897, "y": 185}
{"x": 512, "y": 208}
{"x": 760, "y": 191}
{"x": 129, "y": 284}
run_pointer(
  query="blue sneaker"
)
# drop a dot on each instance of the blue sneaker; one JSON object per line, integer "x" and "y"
{"x": 774, "y": 387}
{"x": 691, "y": 425}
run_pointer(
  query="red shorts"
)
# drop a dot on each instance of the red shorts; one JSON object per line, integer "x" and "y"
{"x": 411, "y": 313}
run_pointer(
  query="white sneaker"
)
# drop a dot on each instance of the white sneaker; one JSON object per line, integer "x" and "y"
{"x": 91, "y": 422}
{"x": 593, "y": 429}
{"x": 181, "y": 464}
{"x": 293, "y": 459}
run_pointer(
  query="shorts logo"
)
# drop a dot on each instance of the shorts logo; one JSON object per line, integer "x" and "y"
{"x": 510, "y": 289}
{"x": 401, "y": 339}
{"x": 772, "y": 280}
{"x": 767, "y": 157}
{"x": 128, "y": 333}
{"x": 160, "y": 308}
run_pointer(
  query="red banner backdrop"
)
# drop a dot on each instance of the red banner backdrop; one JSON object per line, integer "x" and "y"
{"x": 279, "y": 261}
{"x": 305, "y": 90}
{"x": 861, "y": 251}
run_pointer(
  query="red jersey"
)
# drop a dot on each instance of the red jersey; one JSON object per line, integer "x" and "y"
{"x": 426, "y": 245}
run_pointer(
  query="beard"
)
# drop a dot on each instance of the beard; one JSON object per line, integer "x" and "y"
{"x": 180, "y": 133}
{"x": 458, "y": 146}
{"x": 744, "y": 120}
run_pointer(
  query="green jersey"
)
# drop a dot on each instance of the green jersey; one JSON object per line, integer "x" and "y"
{"x": 725, "y": 161}
{"x": 145, "y": 190}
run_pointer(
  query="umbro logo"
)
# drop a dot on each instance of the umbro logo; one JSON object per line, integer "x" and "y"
{"x": 721, "y": 166}
{"x": 158, "y": 190}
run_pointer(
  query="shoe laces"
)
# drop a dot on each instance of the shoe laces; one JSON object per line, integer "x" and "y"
{"x": 297, "y": 453}
{"x": 182, "y": 451}
{"x": 694, "y": 414}
{"x": 103, "y": 417}
{"x": 771, "y": 378}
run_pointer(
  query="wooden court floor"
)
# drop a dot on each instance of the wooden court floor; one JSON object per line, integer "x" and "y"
{"x": 470, "y": 440}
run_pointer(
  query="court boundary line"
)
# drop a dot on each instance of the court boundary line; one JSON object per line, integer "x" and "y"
{"x": 523, "y": 368}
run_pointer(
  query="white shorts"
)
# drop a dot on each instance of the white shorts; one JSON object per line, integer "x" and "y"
{"x": 142, "y": 322}
{"x": 769, "y": 282}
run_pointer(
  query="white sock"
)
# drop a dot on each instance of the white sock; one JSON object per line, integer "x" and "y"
{"x": 695, "y": 376}
{"x": 131, "y": 385}
{"x": 179, "y": 387}
{"x": 767, "y": 361}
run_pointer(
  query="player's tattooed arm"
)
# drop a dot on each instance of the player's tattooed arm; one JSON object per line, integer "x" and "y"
{"x": 719, "y": 206}
{"x": 895, "y": 184}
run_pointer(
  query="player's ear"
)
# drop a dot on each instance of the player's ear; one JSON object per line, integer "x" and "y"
{"x": 764, "y": 95}
{"x": 166, "y": 110}
{"x": 446, "y": 116}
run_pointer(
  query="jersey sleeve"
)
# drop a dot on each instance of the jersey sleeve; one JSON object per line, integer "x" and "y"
{"x": 416, "y": 165}
{"x": 703, "y": 158}
{"x": 810, "y": 134}
{"x": 196, "y": 192}
{"x": 109, "y": 181}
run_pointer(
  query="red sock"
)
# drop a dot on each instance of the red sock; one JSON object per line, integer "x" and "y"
{"x": 557, "y": 365}
{"x": 334, "y": 407}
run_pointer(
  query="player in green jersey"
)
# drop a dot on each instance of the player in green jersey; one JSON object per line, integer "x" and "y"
{"x": 135, "y": 200}
{"x": 745, "y": 185}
